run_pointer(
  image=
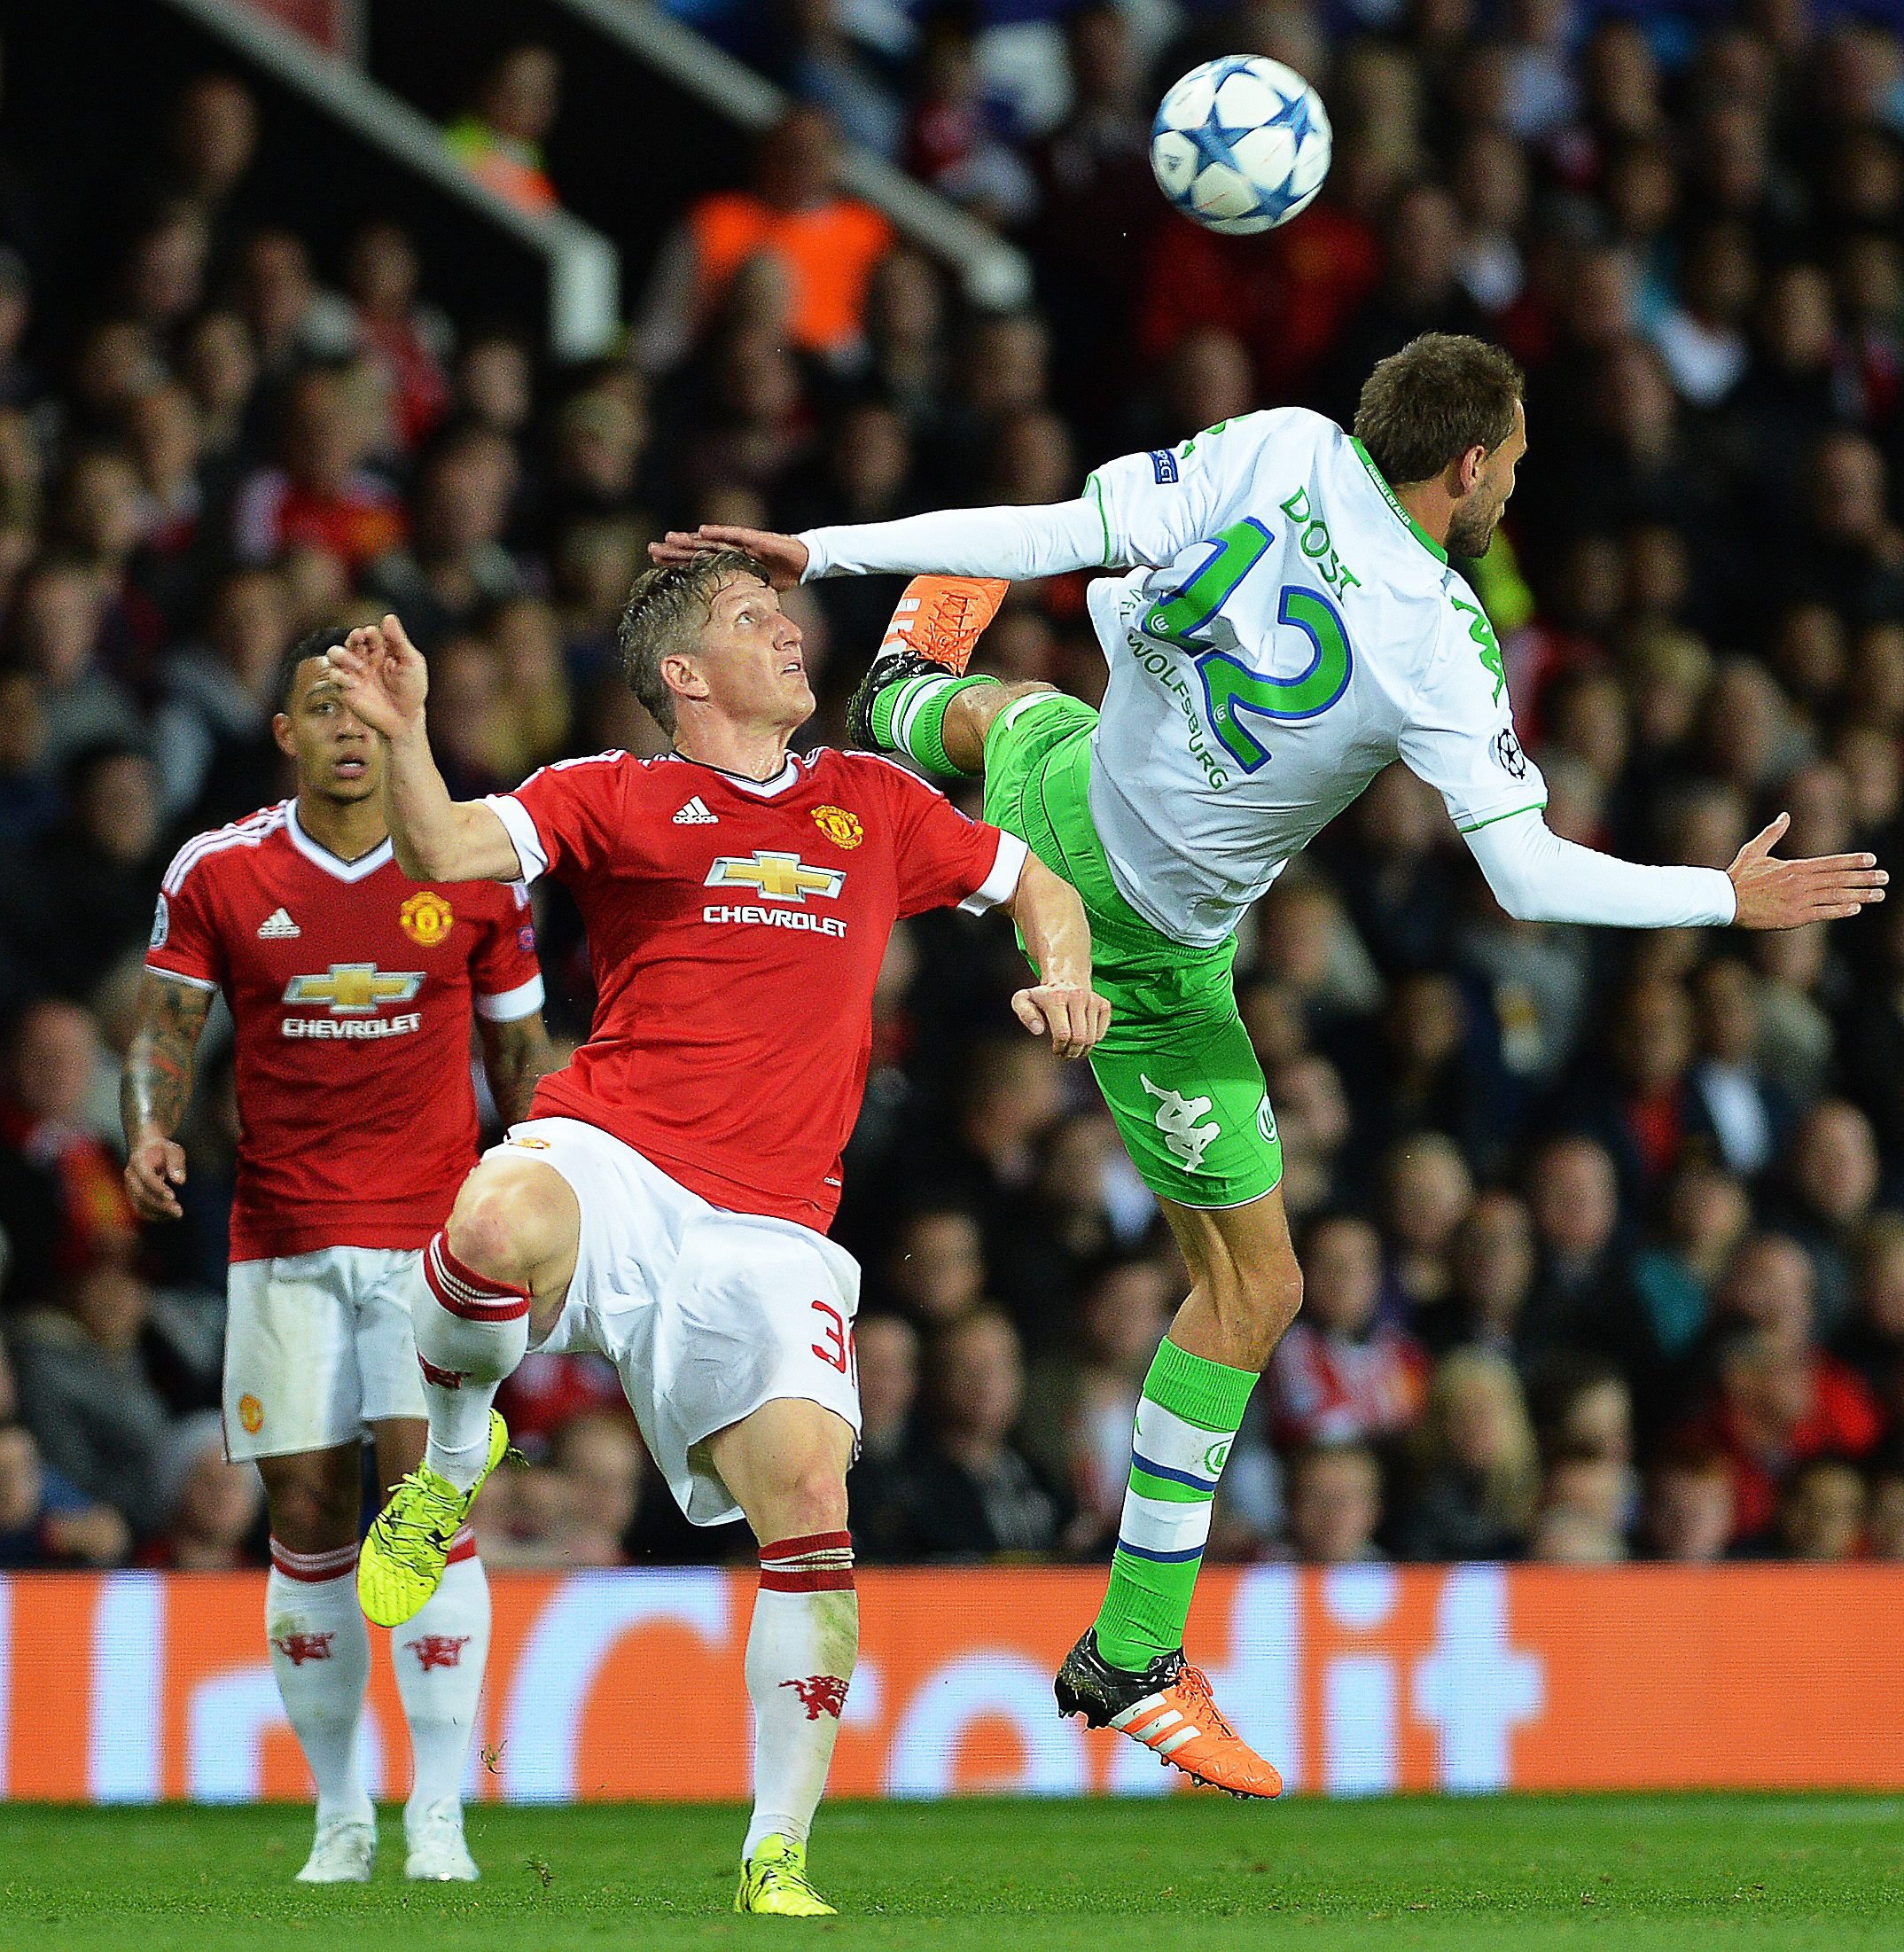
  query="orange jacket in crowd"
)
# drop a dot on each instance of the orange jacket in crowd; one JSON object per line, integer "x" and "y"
{"x": 829, "y": 250}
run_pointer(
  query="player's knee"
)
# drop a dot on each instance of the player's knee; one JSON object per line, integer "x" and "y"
{"x": 309, "y": 1514}
{"x": 497, "y": 1225}
{"x": 1257, "y": 1303}
{"x": 809, "y": 1496}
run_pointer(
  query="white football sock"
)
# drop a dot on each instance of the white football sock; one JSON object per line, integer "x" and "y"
{"x": 472, "y": 1331}
{"x": 439, "y": 1659}
{"x": 321, "y": 1654}
{"x": 801, "y": 1650}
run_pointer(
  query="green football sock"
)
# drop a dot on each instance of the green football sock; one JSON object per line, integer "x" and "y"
{"x": 1186, "y": 1422}
{"x": 908, "y": 716}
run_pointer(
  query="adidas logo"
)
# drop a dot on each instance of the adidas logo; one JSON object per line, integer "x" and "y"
{"x": 695, "y": 814}
{"x": 277, "y": 927}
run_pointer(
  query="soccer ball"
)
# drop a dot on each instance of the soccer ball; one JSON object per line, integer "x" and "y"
{"x": 1241, "y": 144}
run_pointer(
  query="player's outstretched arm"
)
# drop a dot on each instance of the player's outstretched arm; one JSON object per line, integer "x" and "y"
{"x": 1057, "y": 938}
{"x": 156, "y": 1088}
{"x": 1017, "y": 544}
{"x": 385, "y": 682}
{"x": 515, "y": 1055}
{"x": 1537, "y": 877}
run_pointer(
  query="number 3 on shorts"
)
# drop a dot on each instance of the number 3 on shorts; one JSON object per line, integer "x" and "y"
{"x": 836, "y": 1343}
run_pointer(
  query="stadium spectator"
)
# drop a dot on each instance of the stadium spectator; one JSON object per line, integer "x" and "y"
{"x": 1581, "y": 1516}
{"x": 499, "y": 138}
{"x": 888, "y": 1351}
{"x": 62, "y": 1206}
{"x": 408, "y": 340}
{"x": 936, "y": 1273}
{"x": 1340, "y": 1376}
{"x": 1833, "y": 1187}
{"x": 970, "y": 1494}
{"x": 1477, "y": 1475}
{"x": 453, "y": 567}
{"x": 212, "y": 727}
{"x": 46, "y": 1522}
{"x": 320, "y": 496}
{"x": 1691, "y": 1514}
{"x": 1335, "y": 1506}
{"x": 1820, "y": 1514}
{"x": 1777, "y": 1404}
{"x": 1884, "y": 1526}
{"x": 600, "y": 1456}
{"x": 88, "y": 1396}
{"x": 1491, "y": 1263}
{"x": 212, "y": 1509}
{"x": 1080, "y": 1400}
{"x": 825, "y": 246}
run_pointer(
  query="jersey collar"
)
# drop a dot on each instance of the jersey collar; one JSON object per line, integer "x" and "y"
{"x": 763, "y": 789}
{"x": 320, "y": 856}
{"x": 1388, "y": 495}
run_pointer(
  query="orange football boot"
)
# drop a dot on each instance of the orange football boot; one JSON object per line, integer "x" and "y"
{"x": 1169, "y": 1709}
{"x": 938, "y": 621}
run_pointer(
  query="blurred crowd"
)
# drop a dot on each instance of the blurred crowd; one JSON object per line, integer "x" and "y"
{"x": 1604, "y": 1236}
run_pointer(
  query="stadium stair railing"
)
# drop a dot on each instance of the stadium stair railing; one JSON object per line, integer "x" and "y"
{"x": 583, "y": 267}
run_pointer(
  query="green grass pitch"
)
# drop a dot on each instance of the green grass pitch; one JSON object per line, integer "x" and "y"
{"x": 1789, "y": 1872}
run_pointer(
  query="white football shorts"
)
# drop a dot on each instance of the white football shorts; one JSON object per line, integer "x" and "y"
{"x": 318, "y": 1347}
{"x": 706, "y": 1314}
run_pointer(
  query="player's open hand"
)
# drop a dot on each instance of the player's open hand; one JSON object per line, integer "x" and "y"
{"x": 156, "y": 1167}
{"x": 383, "y": 676}
{"x": 1075, "y": 1017}
{"x": 785, "y": 556}
{"x": 1771, "y": 894}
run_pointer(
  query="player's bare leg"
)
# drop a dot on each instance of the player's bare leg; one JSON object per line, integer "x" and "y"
{"x": 320, "y": 1650}
{"x": 1128, "y": 1670}
{"x": 786, "y": 1466}
{"x": 439, "y": 1659}
{"x": 916, "y": 697}
{"x": 497, "y": 1271}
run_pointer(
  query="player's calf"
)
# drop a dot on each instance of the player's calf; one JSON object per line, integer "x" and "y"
{"x": 786, "y": 1466}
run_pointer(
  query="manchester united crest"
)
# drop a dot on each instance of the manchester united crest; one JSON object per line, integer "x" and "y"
{"x": 426, "y": 917}
{"x": 842, "y": 828}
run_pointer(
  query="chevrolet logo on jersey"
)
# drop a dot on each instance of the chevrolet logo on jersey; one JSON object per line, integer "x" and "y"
{"x": 355, "y": 989}
{"x": 780, "y": 876}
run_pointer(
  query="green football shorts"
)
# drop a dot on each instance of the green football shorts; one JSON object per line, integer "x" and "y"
{"x": 1176, "y": 1069}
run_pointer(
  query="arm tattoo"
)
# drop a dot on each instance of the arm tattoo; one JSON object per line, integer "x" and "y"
{"x": 157, "y": 1084}
{"x": 515, "y": 1055}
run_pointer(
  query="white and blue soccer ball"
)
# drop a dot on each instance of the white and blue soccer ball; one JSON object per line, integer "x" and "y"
{"x": 1241, "y": 144}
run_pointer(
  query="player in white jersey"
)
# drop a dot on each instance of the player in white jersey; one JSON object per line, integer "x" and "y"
{"x": 1289, "y": 625}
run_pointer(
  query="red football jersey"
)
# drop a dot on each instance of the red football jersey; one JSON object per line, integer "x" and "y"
{"x": 351, "y": 987}
{"x": 736, "y": 928}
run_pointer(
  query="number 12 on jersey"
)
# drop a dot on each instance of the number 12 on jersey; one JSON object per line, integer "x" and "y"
{"x": 1230, "y": 689}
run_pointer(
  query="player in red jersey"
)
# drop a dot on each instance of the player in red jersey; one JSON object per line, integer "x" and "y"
{"x": 667, "y": 1202}
{"x": 351, "y": 988}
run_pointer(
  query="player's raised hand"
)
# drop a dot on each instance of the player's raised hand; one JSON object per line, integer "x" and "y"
{"x": 1771, "y": 894}
{"x": 785, "y": 556}
{"x": 155, "y": 1166}
{"x": 1075, "y": 1017}
{"x": 382, "y": 675}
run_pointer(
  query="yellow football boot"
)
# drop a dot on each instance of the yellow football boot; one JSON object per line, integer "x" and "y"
{"x": 402, "y": 1562}
{"x": 774, "y": 1880}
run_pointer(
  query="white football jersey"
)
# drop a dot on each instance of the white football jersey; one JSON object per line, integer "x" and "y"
{"x": 1294, "y": 633}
